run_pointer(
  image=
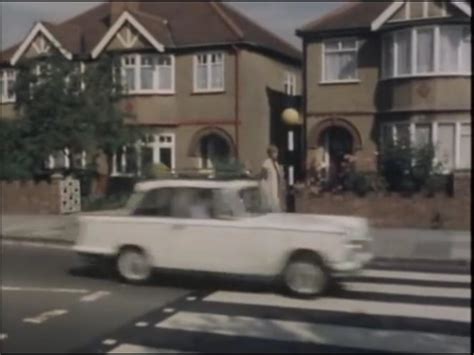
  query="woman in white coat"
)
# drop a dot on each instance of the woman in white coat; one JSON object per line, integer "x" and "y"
{"x": 272, "y": 182}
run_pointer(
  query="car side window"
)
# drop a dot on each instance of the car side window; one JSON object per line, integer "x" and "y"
{"x": 192, "y": 203}
{"x": 155, "y": 203}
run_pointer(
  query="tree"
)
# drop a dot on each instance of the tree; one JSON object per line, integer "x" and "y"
{"x": 61, "y": 107}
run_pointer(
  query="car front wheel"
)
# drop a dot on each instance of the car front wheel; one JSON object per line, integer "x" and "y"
{"x": 133, "y": 266}
{"x": 306, "y": 276}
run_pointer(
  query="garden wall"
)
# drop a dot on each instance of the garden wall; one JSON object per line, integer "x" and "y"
{"x": 395, "y": 211}
{"x": 29, "y": 197}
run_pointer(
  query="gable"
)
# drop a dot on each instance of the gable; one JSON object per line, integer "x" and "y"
{"x": 399, "y": 11}
{"x": 40, "y": 46}
{"x": 121, "y": 31}
{"x": 39, "y": 42}
{"x": 127, "y": 38}
{"x": 413, "y": 10}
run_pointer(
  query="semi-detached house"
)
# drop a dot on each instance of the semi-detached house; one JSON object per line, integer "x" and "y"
{"x": 378, "y": 71}
{"x": 197, "y": 75}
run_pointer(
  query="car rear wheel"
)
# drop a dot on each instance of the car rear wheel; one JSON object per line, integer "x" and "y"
{"x": 133, "y": 266}
{"x": 306, "y": 276}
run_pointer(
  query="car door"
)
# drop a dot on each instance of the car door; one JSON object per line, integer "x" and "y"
{"x": 153, "y": 225}
{"x": 210, "y": 238}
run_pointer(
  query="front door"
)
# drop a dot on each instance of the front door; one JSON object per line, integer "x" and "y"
{"x": 337, "y": 142}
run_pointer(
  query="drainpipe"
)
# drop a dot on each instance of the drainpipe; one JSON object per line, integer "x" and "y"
{"x": 237, "y": 100}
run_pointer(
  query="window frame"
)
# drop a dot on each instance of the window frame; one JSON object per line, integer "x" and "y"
{"x": 437, "y": 70}
{"x": 5, "y": 79}
{"x": 156, "y": 147}
{"x": 434, "y": 136}
{"x": 289, "y": 83}
{"x": 137, "y": 67}
{"x": 325, "y": 51}
{"x": 209, "y": 88}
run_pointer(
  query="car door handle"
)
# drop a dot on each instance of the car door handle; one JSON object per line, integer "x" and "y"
{"x": 178, "y": 227}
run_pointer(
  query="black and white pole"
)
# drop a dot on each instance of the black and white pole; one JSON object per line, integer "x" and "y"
{"x": 291, "y": 148}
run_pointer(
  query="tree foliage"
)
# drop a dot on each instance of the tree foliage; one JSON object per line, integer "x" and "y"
{"x": 58, "y": 107}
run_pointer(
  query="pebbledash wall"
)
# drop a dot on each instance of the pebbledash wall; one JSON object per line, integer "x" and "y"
{"x": 395, "y": 211}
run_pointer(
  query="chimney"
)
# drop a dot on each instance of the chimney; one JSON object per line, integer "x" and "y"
{"x": 118, "y": 7}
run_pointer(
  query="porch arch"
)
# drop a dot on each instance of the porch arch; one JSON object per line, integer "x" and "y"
{"x": 317, "y": 131}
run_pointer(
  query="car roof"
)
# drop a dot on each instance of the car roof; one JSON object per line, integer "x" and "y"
{"x": 205, "y": 184}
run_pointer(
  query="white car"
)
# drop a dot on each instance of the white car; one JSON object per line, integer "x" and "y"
{"x": 218, "y": 226}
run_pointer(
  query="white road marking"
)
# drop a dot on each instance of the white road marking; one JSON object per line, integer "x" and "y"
{"x": 94, "y": 296}
{"x": 45, "y": 245}
{"x": 344, "y": 336}
{"x": 462, "y": 314}
{"x": 408, "y": 290}
{"x": 191, "y": 298}
{"x": 141, "y": 324}
{"x": 3, "y": 336}
{"x": 109, "y": 342}
{"x": 408, "y": 275}
{"x": 168, "y": 310}
{"x": 138, "y": 349}
{"x": 43, "y": 317}
{"x": 41, "y": 289}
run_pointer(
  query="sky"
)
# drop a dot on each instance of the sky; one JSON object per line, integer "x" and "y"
{"x": 17, "y": 18}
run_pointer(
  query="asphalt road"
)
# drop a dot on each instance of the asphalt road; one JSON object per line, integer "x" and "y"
{"x": 50, "y": 304}
{"x": 38, "y": 280}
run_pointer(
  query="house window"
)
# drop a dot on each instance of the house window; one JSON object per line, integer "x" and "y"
{"x": 135, "y": 159}
{"x": 451, "y": 140}
{"x": 209, "y": 72}
{"x": 340, "y": 60}
{"x": 465, "y": 146}
{"x": 148, "y": 73}
{"x": 59, "y": 160}
{"x": 424, "y": 51}
{"x": 289, "y": 84}
{"x": 129, "y": 72}
{"x": 7, "y": 85}
{"x": 403, "y": 50}
{"x": 431, "y": 50}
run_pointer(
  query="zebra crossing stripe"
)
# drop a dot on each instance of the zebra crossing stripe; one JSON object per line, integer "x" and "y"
{"x": 345, "y": 336}
{"x": 408, "y": 290}
{"x": 138, "y": 349}
{"x": 461, "y": 314}
{"x": 422, "y": 276}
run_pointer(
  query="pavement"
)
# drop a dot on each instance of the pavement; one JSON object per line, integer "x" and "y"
{"x": 50, "y": 303}
{"x": 413, "y": 244}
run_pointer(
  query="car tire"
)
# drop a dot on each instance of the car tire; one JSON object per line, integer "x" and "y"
{"x": 305, "y": 276}
{"x": 133, "y": 266}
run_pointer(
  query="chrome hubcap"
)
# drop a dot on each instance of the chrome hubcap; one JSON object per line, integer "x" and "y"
{"x": 305, "y": 278}
{"x": 133, "y": 266}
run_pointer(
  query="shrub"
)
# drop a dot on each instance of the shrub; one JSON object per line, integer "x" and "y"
{"x": 362, "y": 184}
{"x": 406, "y": 168}
{"x": 157, "y": 171}
{"x": 104, "y": 203}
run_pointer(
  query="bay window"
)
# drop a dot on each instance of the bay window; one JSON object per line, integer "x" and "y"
{"x": 209, "y": 72}
{"x": 465, "y": 146}
{"x": 7, "y": 85}
{"x": 451, "y": 140}
{"x": 340, "y": 60}
{"x": 148, "y": 73}
{"x": 403, "y": 50}
{"x": 428, "y": 50}
{"x": 424, "y": 50}
{"x": 138, "y": 158}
